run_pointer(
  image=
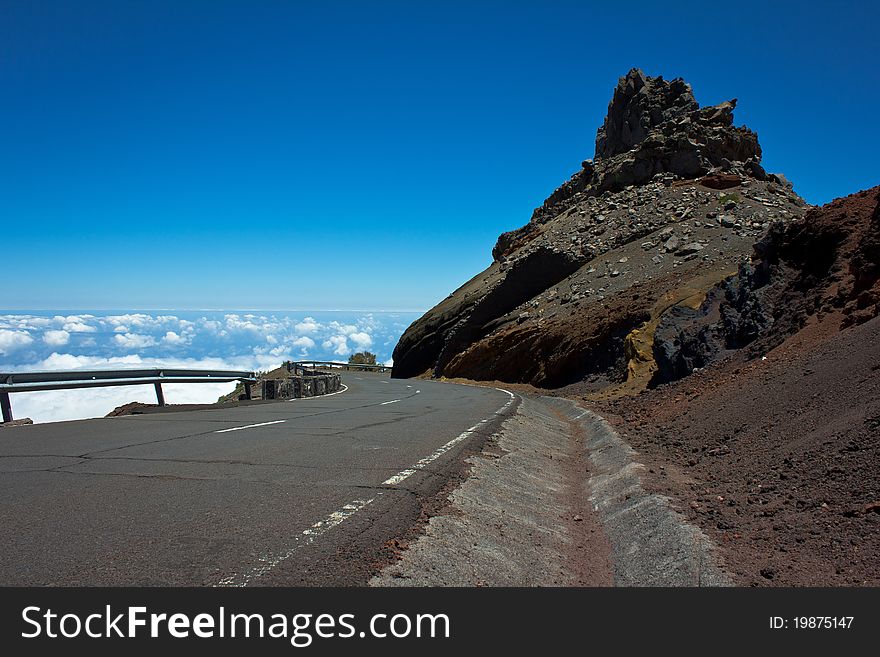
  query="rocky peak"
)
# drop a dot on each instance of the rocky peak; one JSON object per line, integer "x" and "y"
{"x": 639, "y": 105}
{"x": 673, "y": 201}
{"x": 654, "y": 130}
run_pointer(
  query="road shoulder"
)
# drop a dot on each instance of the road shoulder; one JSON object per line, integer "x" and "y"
{"x": 521, "y": 518}
{"x": 555, "y": 498}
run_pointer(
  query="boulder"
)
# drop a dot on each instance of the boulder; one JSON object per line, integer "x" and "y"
{"x": 721, "y": 181}
{"x": 689, "y": 249}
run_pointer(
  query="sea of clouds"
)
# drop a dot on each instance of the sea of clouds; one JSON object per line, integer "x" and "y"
{"x": 240, "y": 340}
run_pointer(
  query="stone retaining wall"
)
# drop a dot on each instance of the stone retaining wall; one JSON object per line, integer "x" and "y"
{"x": 295, "y": 387}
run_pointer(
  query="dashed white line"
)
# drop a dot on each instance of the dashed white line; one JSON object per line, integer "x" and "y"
{"x": 308, "y": 536}
{"x": 393, "y": 401}
{"x": 335, "y": 518}
{"x": 440, "y": 451}
{"x": 268, "y": 562}
{"x": 251, "y": 426}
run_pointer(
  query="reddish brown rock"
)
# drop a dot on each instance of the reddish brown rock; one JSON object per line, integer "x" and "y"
{"x": 555, "y": 305}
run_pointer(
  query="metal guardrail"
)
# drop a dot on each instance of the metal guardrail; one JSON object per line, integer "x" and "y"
{"x": 329, "y": 364}
{"x": 34, "y": 381}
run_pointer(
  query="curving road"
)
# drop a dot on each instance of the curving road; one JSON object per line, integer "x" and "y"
{"x": 301, "y": 492}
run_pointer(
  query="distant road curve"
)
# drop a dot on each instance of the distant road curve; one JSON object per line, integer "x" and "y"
{"x": 280, "y": 493}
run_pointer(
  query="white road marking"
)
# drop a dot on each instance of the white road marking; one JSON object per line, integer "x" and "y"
{"x": 393, "y": 401}
{"x": 336, "y": 518}
{"x": 329, "y": 394}
{"x": 440, "y": 451}
{"x": 418, "y": 391}
{"x": 251, "y": 426}
{"x": 409, "y": 386}
{"x": 308, "y": 536}
{"x": 385, "y": 382}
{"x": 578, "y": 417}
{"x": 263, "y": 424}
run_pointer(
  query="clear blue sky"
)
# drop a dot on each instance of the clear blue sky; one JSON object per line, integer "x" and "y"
{"x": 210, "y": 154}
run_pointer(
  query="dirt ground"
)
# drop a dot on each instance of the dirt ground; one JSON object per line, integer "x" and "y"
{"x": 776, "y": 459}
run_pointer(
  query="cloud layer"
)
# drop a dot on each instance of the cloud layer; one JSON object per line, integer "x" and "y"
{"x": 204, "y": 340}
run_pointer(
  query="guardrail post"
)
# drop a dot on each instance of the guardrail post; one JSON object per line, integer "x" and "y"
{"x": 159, "y": 395}
{"x": 6, "y": 406}
{"x": 247, "y": 390}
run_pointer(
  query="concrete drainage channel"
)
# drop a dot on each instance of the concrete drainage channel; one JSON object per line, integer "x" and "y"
{"x": 652, "y": 544}
{"x": 556, "y": 499}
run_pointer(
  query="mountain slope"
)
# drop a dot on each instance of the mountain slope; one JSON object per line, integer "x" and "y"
{"x": 768, "y": 436}
{"x": 673, "y": 201}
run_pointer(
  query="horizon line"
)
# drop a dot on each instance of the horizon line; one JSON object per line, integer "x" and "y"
{"x": 264, "y": 310}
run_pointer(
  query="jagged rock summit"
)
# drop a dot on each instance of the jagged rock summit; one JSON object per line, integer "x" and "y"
{"x": 672, "y": 202}
{"x": 644, "y": 105}
{"x": 654, "y": 128}
{"x": 639, "y": 105}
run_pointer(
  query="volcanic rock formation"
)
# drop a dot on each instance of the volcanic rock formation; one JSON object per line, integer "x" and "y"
{"x": 827, "y": 262}
{"x": 768, "y": 436}
{"x": 672, "y": 203}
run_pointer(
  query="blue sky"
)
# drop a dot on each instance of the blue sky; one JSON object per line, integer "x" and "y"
{"x": 279, "y": 155}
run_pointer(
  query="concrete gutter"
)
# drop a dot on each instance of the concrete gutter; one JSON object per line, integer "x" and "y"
{"x": 556, "y": 499}
{"x": 510, "y": 522}
{"x": 652, "y": 544}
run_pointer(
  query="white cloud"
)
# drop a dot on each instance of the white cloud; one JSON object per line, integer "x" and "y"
{"x": 338, "y": 344}
{"x": 61, "y": 319}
{"x": 308, "y": 325}
{"x": 24, "y": 322}
{"x": 235, "y": 323}
{"x": 175, "y": 340}
{"x": 60, "y": 405}
{"x": 79, "y": 327}
{"x": 56, "y": 338}
{"x": 344, "y": 329}
{"x": 58, "y": 361}
{"x": 247, "y": 341}
{"x": 12, "y": 340}
{"x": 362, "y": 340}
{"x": 139, "y": 321}
{"x": 132, "y": 319}
{"x": 196, "y": 393}
{"x": 134, "y": 340}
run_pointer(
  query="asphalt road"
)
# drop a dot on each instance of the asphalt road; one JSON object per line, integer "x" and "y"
{"x": 309, "y": 496}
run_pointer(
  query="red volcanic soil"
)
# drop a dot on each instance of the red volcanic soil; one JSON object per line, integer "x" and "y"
{"x": 776, "y": 453}
{"x": 776, "y": 459}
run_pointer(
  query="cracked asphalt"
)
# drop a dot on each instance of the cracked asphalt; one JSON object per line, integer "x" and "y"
{"x": 163, "y": 499}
